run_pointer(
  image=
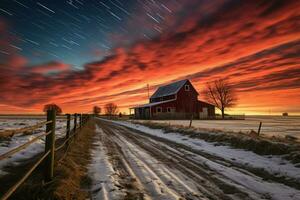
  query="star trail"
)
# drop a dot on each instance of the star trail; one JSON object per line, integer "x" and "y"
{"x": 81, "y": 53}
{"x": 47, "y": 30}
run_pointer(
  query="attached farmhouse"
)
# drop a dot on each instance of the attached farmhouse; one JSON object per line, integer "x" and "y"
{"x": 178, "y": 100}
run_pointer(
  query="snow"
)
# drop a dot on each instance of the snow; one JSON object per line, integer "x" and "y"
{"x": 11, "y": 124}
{"x": 239, "y": 177}
{"x": 269, "y": 189}
{"x": 274, "y": 164}
{"x": 102, "y": 173}
{"x": 19, "y": 139}
{"x": 278, "y": 126}
{"x": 151, "y": 177}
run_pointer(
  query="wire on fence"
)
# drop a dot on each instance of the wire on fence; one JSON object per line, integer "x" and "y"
{"x": 29, "y": 128}
{"x": 63, "y": 144}
{"x": 83, "y": 120}
{"x": 12, "y": 189}
{"x": 23, "y": 146}
{"x": 48, "y": 122}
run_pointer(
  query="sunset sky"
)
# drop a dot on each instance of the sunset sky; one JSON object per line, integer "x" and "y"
{"x": 81, "y": 53}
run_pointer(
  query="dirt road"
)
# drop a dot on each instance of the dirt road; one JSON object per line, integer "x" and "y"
{"x": 131, "y": 165}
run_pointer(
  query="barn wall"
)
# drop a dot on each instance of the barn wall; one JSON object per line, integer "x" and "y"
{"x": 176, "y": 115}
{"x": 210, "y": 110}
{"x": 164, "y": 107}
{"x": 142, "y": 113}
{"x": 186, "y": 103}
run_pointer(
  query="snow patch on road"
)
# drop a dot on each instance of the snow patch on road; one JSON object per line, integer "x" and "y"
{"x": 102, "y": 173}
{"x": 273, "y": 165}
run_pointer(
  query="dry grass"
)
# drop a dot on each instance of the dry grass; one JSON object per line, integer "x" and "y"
{"x": 70, "y": 181}
{"x": 7, "y": 134}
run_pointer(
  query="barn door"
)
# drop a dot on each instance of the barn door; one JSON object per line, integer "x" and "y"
{"x": 147, "y": 113}
{"x": 204, "y": 113}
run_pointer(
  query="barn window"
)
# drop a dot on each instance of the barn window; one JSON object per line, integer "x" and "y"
{"x": 158, "y": 109}
{"x": 187, "y": 88}
{"x": 170, "y": 109}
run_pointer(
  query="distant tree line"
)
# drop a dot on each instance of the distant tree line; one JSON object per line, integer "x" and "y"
{"x": 110, "y": 109}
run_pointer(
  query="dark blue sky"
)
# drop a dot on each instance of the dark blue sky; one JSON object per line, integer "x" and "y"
{"x": 79, "y": 31}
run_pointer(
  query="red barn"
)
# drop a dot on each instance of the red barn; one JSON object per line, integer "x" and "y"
{"x": 178, "y": 100}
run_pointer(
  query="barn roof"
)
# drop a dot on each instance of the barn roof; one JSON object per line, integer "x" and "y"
{"x": 169, "y": 89}
{"x": 205, "y": 103}
{"x": 152, "y": 104}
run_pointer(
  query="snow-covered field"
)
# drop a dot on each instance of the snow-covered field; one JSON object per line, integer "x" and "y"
{"x": 19, "y": 139}
{"x": 271, "y": 125}
{"x": 272, "y": 164}
{"x": 11, "y": 124}
{"x": 153, "y": 155}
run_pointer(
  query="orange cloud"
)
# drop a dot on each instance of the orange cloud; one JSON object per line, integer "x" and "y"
{"x": 51, "y": 67}
{"x": 256, "y": 46}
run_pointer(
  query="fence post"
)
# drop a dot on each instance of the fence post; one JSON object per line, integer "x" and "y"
{"x": 191, "y": 120}
{"x": 80, "y": 121}
{"x": 68, "y": 127}
{"x": 75, "y": 122}
{"x": 258, "y": 132}
{"x": 50, "y": 145}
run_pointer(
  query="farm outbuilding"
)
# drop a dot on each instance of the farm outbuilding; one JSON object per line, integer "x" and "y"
{"x": 178, "y": 100}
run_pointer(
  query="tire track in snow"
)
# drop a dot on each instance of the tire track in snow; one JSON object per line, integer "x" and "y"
{"x": 166, "y": 172}
{"x": 224, "y": 173}
{"x": 159, "y": 184}
{"x": 122, "y": 169}
{"x": 202, "y": 177}
{"x": 102, "y": 172}
{"x": 180, "y": 189}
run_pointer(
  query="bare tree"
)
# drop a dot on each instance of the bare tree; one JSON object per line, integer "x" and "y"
{"x": 111, "y": 109}
{"x": 221, "y": 94}
{"x": 52, "y": 106}
{"x": 96, "y": 110}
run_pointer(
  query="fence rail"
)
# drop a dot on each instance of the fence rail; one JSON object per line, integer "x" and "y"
{"x": 21, "y": 147}
{"x": 50, "y": 149}
{"x": 230, "y": 117}
{"x": 25, "y": 129}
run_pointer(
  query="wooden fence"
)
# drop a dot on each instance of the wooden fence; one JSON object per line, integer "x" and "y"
{"x": 231, "y": 117}
{"x": 50, "y": 149}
